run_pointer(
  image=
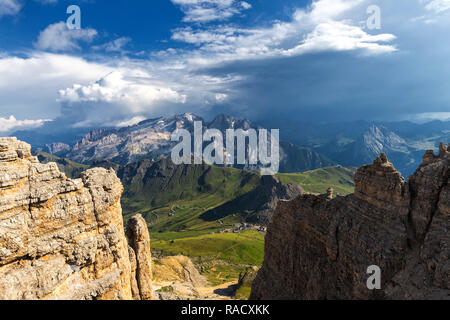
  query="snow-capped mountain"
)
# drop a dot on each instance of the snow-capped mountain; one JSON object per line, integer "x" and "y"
{"x": 151, "y": 139}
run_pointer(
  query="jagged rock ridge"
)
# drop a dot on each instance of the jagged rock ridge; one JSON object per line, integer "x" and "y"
{"x": 63, "y": 238}
{"x": 320, "y": 248}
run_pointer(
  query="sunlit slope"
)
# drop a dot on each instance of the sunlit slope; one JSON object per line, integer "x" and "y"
{"x": 318, "y": 181}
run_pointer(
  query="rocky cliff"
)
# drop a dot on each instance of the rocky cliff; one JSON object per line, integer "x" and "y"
{"x": 318, "y": 247}
{"x": 63, "y": 238}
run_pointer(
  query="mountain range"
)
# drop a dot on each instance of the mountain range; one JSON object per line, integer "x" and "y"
{"x": 303, "y": 146}
{"x": 151, "y": 139}
{"x": 359, "y": 142}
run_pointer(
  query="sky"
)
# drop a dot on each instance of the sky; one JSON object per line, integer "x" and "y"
{"x": 305, "y": 60}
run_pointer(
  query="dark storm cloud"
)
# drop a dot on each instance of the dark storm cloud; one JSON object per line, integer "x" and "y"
{"x": 340, "y": 86}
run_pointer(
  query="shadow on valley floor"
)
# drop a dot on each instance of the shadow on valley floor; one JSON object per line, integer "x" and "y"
{"x": 227, "y": 292}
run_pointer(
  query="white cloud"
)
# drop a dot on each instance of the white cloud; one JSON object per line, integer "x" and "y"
{"x": 114, "y": 87}
{"x": 245, "y": 5}
{"x": 123, "y": 95}
{"x": 115, "y": 45}
{"x": 29, "y": 85}
{"x": 435, "y": 11}
{"x": 13, "y": 7}
{"x": 221, "y": 97}
{"x": 427, "y": 116}
{"x": 438, "y": 6}
{"x": 324, "y": 10}
{"x": 172, "y": 82}
{"x": 12, "y": 124}
{"x": 58, "y": 37}
{"x": 9, "y": 7}
{"x": 210, "y": 10}
{"x": 51, "y": 85}
{"x": 338, "y": 36}
{"x": 323, "y": 26}
{"x": 131, "y": 122}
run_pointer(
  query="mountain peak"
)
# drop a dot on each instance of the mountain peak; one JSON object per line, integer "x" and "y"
{"x": 223, "y": 122}
{"x": 379, "y": 139}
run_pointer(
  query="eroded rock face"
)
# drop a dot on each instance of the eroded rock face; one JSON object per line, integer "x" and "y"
{"x": 320, "y": 248}
{"x": 59, "y": 238}
{"x": 177, "y": 278}
{"x": 179, "y": 269}
{"x": 139, "y": 238}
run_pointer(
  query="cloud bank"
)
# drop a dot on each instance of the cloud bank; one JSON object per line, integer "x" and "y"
{"x": 11, "y": 123}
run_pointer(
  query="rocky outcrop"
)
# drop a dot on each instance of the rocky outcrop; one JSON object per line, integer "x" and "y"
{"x": 60, "y": 238}
{"x": 177, "y": 278}
{"x": 321, "y": 248}
{"x": 57, "y": 148}
{"x": 137, "y": 233}
{"x": 179, "y": 268}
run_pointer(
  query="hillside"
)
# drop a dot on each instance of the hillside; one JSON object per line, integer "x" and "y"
{"x": 257, "y": 206}
{"x": 172, "y": 197}
{"x": 319, "y": 180}
{"x": 197, "y": 199}
{"x": 71, "y": 168}
{"x": 188, "y": 198}
{"x": 221, "y": 257}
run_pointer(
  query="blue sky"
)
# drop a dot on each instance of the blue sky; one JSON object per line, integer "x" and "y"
{"x": 311, "y": 60}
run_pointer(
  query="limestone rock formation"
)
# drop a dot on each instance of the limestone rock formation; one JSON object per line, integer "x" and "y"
{"x": 321, "y": 248}
{"x": 179, "y": 268}
{"x": 56, "y": 148}
{"x": 137, "y": 233}
{"x": 178, "y": 279}
{"x": 60, "y": 238}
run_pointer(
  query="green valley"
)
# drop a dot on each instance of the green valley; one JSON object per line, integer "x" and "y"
{"x": 208, "y": 213}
